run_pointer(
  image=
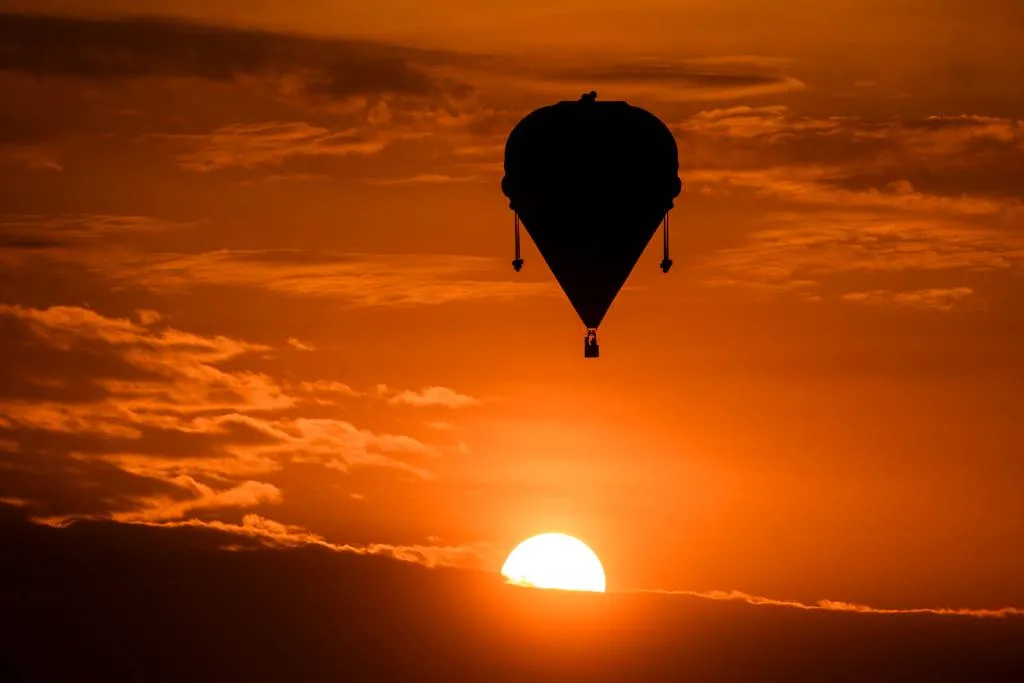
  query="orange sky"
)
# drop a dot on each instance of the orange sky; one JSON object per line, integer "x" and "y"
{"x": 263, "y": 268}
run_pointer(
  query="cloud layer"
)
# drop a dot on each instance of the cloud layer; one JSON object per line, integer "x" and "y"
{"x": 183, "y": 434}
{"x": 844, "y": 195}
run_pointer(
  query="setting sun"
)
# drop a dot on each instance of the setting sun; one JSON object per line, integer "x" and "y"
{"x": 555, "y": 561}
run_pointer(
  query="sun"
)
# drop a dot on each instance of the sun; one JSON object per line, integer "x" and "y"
{"x": 555, "y": 561}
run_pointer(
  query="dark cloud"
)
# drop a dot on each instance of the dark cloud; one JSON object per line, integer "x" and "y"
{"x": 111, "y": 49}
{"x": 663, "y": 82}
{"x": 52, "y": 481}
{"x": 31, "y": 157}
{"x": 36, "y": 232}
{"x": 178, "y": 606}
{"x": 667, "y": 73}
{"x": 22, "y": 130}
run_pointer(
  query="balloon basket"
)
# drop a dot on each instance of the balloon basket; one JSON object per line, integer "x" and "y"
{"x": 590, "y": 347}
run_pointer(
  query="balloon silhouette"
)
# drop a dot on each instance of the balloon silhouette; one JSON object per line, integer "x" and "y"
{"x": 591, "y": 182}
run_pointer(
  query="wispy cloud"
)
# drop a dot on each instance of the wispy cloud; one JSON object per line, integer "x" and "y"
{"x": 100, "y": 243}
{"x": 330, "y": 388}
{"x": 669, "y": 81}
{"x": 80, "y": 230}
{"x": 30, "y": 157}
{"x": 299, "y": 345}
{"x": 270, "y": 533}
{"x": 840, "y": 606}
{"x": 370, "y": 280}
{"x": 421, "y": 179}
{"x": 269, "y": 143}
{"x": 435, "y": 396}
{"x": 935, "y": 299}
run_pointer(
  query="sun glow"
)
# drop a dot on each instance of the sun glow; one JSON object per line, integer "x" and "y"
{"x": 555, "y": 561}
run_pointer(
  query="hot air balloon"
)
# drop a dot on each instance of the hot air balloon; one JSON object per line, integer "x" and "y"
{"x": 591, "y": 182}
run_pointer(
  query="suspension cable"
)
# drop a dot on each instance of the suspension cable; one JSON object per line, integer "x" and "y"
{"x": 518, "y": 262}
{"x": 666, "y": 262}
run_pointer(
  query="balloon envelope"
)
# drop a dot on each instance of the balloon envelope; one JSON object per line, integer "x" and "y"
{"x": 591, "y": 182}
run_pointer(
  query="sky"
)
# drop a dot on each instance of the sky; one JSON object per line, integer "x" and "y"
{"x": 255, "y": 279}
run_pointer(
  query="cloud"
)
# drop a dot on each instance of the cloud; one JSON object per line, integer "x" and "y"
{"x": 270, "y": 533}
{"x": 246, "y": 494}
{"x": 100, "y": 243}
{"x": 836, "y": 197}
{"x": 38, "y": 232}
{"x": 435, "y": 396}
{"x": 269, "y": 143}
{"x": 100, "y": 420}
{"x": 143, "y": 388}
{"x": 340, "y": 445}
{"x": 840, "y": 606}
{"x": 816, "y": 187}
{"x": 59, "y": 324}
{"x": 854, "y": 150}
{"x": 802, "y": 249}
{"x": 332, "y": 443}
{"x": 178, "y": 373}
{"x": 947, "y": 135}
{"x": 494, "y": 151}
{"x": 421, "y": 179}
{"x": 99, "y": 395}
{"x": 30, "y": 157}
{"x": 148, "y": 317}
{"x": 321, "y": 100}
{"x": 119, "y": 49}
{"x": 329, "y": 388}
{"x": 751, "y": 122}
{"x": 678, "y": 81}
{"x": 680, "y": 74}
{"x": 235, "y": 463}
{"x": 336, "y": 69}
{"x": 369, "y": 280}
{"x": 369, "y": 128}
{"x": 288, "y": 177}
{"x": 927, "y": 299}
